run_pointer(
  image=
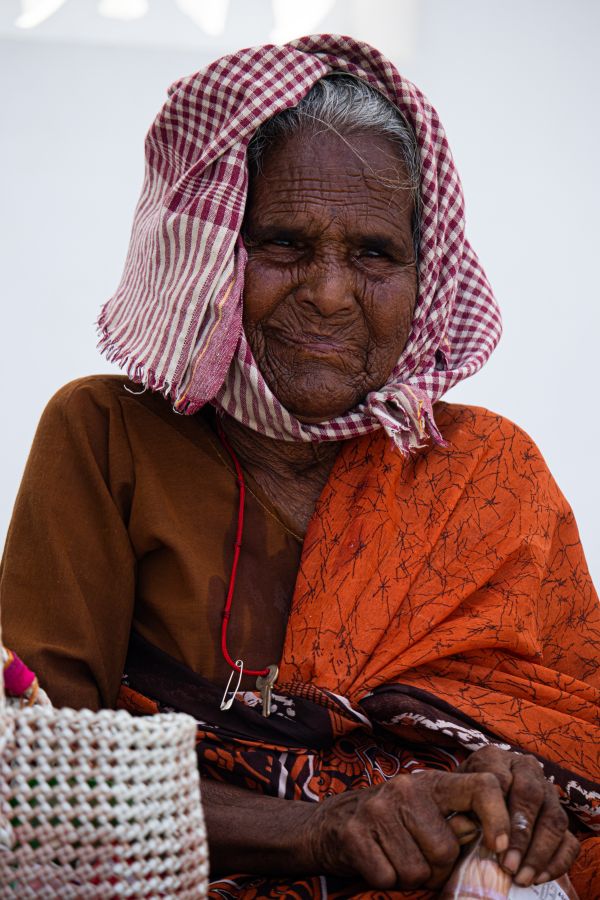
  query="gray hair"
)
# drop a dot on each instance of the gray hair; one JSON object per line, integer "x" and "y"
{"x": 346, "y": 105}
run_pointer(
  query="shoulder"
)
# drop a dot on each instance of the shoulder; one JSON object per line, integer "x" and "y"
{"x": 90, "y": 405}
{"x": 473, "y": 427}
{"x": 492, "y": 446}
{"x": 82, "y": 393}
{"x": 111, "y": 405}
{"x": 101, "y": 393}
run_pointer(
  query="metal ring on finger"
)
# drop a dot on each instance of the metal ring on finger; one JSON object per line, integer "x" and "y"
{"x": 519, "y": 822}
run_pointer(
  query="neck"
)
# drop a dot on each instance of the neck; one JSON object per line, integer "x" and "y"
{"x": 292, "y": 474}
{"x": 293, "y": 458}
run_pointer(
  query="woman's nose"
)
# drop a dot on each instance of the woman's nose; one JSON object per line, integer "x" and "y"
{"x": 328, "y": 288}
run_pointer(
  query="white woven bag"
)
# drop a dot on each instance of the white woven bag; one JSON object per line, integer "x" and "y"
{"x": 99, "y": 805}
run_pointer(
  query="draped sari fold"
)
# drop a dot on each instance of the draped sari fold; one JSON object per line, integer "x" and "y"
{"x": 457, "y": 572}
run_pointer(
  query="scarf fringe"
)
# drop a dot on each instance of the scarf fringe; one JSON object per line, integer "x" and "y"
{"x": 115, "y": 353}
{"x": 407, "y": 417}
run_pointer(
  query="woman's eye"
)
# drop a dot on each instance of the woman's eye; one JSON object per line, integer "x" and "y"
{"x": 372, "y": 253}
{"x": 281, "y": 242}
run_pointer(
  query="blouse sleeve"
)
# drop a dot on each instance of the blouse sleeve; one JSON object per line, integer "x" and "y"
{"x": 67, "y": 576}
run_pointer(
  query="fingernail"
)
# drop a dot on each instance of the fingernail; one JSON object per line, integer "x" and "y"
{"x": 501, "y": 843}
{"x": 512, "y": 861}
{"x": 525, "y": 876}
{"x": 541, "y": 879}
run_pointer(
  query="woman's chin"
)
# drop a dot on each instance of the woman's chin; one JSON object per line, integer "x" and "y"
{"x": 315, "y": 406}
{"x": 316, "y": 389}
{"x": 316, "y": 414}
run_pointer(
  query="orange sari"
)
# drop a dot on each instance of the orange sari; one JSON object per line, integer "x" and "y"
{"x": 459, "y": 573}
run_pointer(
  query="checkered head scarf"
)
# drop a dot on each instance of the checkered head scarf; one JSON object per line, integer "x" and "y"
{"x": 175, "y": 322}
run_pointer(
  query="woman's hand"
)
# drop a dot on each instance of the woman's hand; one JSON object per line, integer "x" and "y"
{"x": 396, "y": 835}
{"x": 540, "y": 845}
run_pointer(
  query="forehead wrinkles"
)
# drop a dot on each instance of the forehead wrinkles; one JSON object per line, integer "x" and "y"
{"x": 321, "y": 179}
{"x": 329, "y": 195}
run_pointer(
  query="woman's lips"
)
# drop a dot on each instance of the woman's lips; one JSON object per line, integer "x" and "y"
{"x": 320, "y": 347}
{"x": 314, "y": 344}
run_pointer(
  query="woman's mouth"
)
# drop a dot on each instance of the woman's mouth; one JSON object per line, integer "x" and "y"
{"x": 314, "y": 344}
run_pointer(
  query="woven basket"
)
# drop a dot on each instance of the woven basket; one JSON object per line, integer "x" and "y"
{"x": 100, "y": 805}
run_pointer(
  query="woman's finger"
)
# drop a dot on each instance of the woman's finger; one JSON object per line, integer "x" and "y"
{"x": 404, "y": 819}
{"x": 491, "y": 759}
{"x": 438, "y": 844}
{"x": 368, "y": 857}
{"x": 412, "y": 866}
{"x": 478, "y": 792}
{"x": 464, "y": 828}
{"x": 418, "y": 816}
{"x": 562, "y": 861}
{"x": 525, "y": 800}
{"x": 548, "y": 836}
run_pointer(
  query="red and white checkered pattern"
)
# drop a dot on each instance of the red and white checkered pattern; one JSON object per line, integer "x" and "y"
{"x": 175, "y": 322}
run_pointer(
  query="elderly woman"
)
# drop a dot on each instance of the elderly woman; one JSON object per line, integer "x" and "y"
{"x": 366, "y": 597}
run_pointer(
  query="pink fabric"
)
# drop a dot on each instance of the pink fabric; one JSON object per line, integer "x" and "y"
{"x": 17, "y": 677}
{"x": 175, "y": 322}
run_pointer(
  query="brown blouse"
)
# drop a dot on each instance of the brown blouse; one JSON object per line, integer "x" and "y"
{"x": 126, "y": 518}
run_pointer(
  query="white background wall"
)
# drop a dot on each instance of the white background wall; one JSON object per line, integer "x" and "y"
{"x": 516, "y": 84}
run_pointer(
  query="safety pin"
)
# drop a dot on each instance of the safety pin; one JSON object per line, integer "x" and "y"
{"x": 226, "y": 704}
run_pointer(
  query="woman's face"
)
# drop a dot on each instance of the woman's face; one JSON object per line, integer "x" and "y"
{"x": 331, "y": 280}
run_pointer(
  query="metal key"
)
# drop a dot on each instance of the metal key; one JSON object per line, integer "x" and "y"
{"x": 264, "y": 684}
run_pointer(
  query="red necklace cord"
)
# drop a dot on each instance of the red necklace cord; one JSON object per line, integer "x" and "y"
{"x": 226, "y": 615}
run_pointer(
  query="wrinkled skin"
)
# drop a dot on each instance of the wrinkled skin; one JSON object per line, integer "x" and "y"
{"x": 397, "y": 835}
{"x": 331, "y": 280}
{"x": 330, "y": 291}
